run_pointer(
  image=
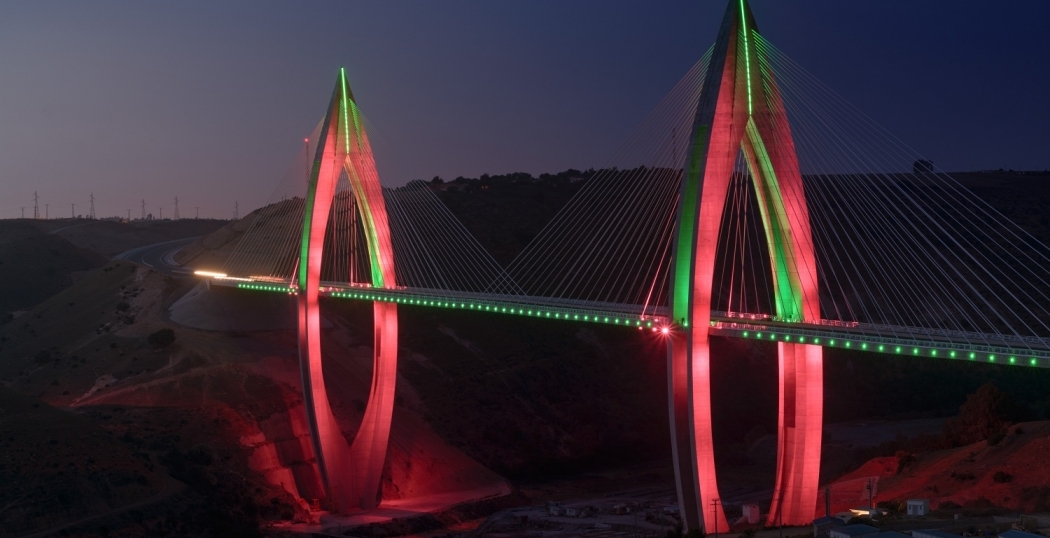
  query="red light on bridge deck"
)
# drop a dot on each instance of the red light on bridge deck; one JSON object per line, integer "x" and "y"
{"x": 665, "y": 330}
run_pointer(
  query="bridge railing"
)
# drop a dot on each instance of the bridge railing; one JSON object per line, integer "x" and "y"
{"x": 920, "y": 333}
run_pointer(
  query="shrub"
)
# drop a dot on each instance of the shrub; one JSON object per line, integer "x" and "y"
{"x": 996, "y": 439}
{"x": 162, "y": 338}
{"x": 904, "y": 458}
{"x": 984, "y": 415}
{"x": 1002, "y": 477}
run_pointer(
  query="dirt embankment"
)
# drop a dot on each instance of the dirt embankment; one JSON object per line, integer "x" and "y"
{"x": 1010, "y": 473}
{"x": 59, "y": 466}
{"x": 219, "y": 410}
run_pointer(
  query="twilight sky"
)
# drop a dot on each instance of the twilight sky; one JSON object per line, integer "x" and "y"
{"x": 210, "y": 101}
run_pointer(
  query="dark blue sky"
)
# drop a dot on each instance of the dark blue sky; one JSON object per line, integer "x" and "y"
{"x": 209, "y": 101}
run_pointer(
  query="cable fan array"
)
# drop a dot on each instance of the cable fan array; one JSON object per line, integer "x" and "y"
{"x": 268, "y": 248}
{"x": 901, "y": 248}
{"x": 612, "y": 242}
{"x": 898, "y": 250}
{"x": 432, "y": 249}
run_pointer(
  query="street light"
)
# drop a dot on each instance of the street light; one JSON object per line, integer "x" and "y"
{"x": 715, "y": 502}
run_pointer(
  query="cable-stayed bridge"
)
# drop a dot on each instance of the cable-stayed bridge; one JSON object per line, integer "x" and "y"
{"x": 753, "y": 202}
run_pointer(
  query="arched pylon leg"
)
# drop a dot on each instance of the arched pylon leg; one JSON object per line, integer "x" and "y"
{"x": 769, "y": 151}
{"x": 799, "y": 428}
{"x": 715, "y": 143}
{"x": 368, "y": 450}
{"x": 351, "y": 473}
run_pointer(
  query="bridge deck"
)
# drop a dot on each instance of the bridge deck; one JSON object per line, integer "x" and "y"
{"x": 934, "y": 343}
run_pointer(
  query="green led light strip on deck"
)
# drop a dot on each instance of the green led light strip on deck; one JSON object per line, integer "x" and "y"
{"x": 937, "y": 350}
{"x": 858, "y": 342}
{"x": 265, "y": 287}
{"x": 493, "y": 307}
{"x": 498, "y": 308}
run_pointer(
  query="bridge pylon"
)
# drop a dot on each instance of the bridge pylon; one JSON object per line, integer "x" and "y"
{"x": 352, "y": 472}
{"x": 740, "y": 110}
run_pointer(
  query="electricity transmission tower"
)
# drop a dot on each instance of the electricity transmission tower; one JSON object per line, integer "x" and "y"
{"x": 91, "y": 211}
{"x": 36, "y": 206}
{"x": 176, "y": 216}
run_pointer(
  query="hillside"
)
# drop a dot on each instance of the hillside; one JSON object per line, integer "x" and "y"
{"x": 110, "y": 238}
{"x": 60, "y": 466}
{"x": 858, "y": 385}
{"x": 482, "y": 400}
{"x": 35, "y": 265}
{"x": 38, "y": 258}
{"x": 233, "y": 399}
{"x": 1009, "y": 474}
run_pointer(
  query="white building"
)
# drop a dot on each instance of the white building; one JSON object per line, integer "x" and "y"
{"x": 918, "y": 507}
{"x": 751, "y": 513}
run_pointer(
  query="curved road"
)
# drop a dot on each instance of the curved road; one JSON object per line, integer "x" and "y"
{"x": 158, "y": 256}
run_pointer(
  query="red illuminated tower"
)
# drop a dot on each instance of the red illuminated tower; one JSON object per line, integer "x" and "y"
{"x": 351, "y": 472}
{"x": 740, "y": 110}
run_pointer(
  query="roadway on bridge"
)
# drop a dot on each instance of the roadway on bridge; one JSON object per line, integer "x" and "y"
{"x": 158, "y": 256}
